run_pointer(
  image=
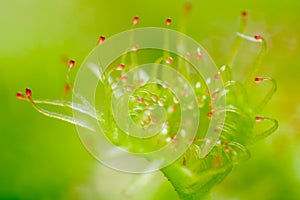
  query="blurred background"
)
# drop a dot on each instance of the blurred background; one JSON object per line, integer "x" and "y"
{"x": 43, "y": 158}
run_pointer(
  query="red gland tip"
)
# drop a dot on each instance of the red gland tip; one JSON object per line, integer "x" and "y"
{"x": 258, "y": 118}
{"x": 257, "y": 79}
{"x": 169, "y": 60}
{"x": 28, "y": 93}
{"x": 168, "y": 21}
{"x": 71, "y": 63}
{"x": 135, "y": 20}
{"x": 217, "y": 76}
{"x": 101, "y": 39}
{"x": 244, "y": 14}
{"x": 188, "y": 6}
{"x": 227, "y": 149}
{"x": 209, "y": 115}
{"x": 140, "y": 99}
{"x": 135, "y": 47}
{"x": 257, "y": 37}
{"x": 120, "y": 67}
{"x": 199, "y": 55}
{"x": 184, "y": 161}
{"x": 67, "y": 88}
{"x": 19, "y": 95}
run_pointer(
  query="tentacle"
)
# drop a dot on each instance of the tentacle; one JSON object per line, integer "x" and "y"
{"x": 269, "y": 95}
{"x": 236, "y": 94}
{"x": 225, "y": 72}
{"x": 62, "y": 117}
{"x": 239, "y": 153}
{"x": 238, "y": 40}
{"x": 268, "y": 131}
{"x": 261, "y": 54}
{"x": 62, "y": 103}
{"x": 184, "y": 16}
{"x": 59, "y": 103}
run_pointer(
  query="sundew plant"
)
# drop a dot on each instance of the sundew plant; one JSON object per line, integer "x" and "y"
{"x": 153, "y": 99}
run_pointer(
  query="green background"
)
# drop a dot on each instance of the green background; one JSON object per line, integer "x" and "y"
{"x": 43, "y": 158}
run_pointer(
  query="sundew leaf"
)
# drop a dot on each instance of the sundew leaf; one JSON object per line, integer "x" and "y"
{"x": 141, "y": 108}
